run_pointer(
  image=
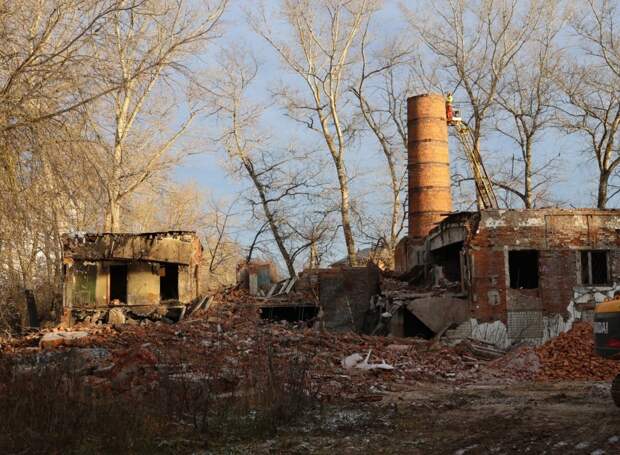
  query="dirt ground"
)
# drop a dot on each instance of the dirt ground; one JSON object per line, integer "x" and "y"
{"x": 533, "y": 417}
{"x": 227, "y": 382}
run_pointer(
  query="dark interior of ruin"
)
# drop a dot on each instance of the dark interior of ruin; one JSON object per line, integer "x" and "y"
{"x": 413, "y": 327}
{"x": 594, "y": 270}
{"x": 118, "y": 282}
{"x": 523, "y": 266}
{"x": 449, "y": 258}
{"x": 169, "y": 281}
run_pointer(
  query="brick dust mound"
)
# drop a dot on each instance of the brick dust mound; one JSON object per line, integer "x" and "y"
{"x": 571, "y": 356}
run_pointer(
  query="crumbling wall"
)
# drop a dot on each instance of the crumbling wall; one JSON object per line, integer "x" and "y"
{"x": 401, "y": 262}
{"x": 103, "y": 278}
{"x": 142, "y": 284}
{"x": 257, "y": 276}
{"x": 345, "y": 295}
{"x": 558, "y": 237}
{"x": 174, "y": 247}
{"x": 492, "y": 332}
{"x": 87, "y": 259}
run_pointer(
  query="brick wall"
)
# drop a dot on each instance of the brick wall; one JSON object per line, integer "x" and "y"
{"x": 557, "y": 235}
{"x": 488, "y": 284}
{"x": 558, "y": 277}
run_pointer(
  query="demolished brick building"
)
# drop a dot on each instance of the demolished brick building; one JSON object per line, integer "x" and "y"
{"x": 150, "y": 274}
{"x": 516, "y": 275}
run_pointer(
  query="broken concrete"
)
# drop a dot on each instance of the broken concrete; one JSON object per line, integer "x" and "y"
{"x": 439, "y": 312}
{"x": 116, "y": 316}
{"x": 56, "y": 339}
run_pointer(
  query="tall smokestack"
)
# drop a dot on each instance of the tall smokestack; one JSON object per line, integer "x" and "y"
{"x": 429, "y": 164}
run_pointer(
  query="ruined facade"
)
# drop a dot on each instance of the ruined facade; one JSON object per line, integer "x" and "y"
{"x": 513, "y": 275}
{"x": 527, "y": 274}
{"x": 523, "y": 275}
{"x": 142, "y": 272}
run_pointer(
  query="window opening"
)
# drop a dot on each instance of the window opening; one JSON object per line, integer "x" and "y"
{"x": 594, "y": 270}
{"x": 523, "y": 265}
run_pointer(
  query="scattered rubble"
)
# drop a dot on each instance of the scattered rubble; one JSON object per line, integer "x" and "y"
{"x": 56, "y": 339}
{"x": 227, "y": 337}
{"x": 225, "y": 340}
{"x": 570, "y": 356}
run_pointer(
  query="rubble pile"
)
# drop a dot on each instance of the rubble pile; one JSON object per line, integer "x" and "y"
{"x": 571, "y": 356}
{"x": 230, "y": 344}
{"x": 520, "y": 364}
{"x": 228, "y": 339}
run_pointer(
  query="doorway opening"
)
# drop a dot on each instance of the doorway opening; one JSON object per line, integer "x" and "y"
{"x": 118, "y": 283}
{"x": 169, "y": 282}
{"x": 449, "y": 258}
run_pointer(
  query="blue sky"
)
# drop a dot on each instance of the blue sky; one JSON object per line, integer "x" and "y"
{"x": 206, "y": 169}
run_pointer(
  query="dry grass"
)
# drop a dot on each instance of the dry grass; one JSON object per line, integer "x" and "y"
{"x": 49, "y": 408}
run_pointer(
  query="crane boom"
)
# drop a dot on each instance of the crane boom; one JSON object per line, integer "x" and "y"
{"x": 484, "y": 188}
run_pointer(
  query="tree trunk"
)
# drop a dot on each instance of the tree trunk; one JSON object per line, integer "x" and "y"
{"x": 31, "y": 307}
{"x": 345, "y": 211}
{"x": 603, "y": 182}
{"x": 395, "y": 210}
{"x": 477, "y": 177}
{"x": 313, "y": 262}
{"x": 280, "y": 242}
{"x": 270, "y": 218}
{"x": 113, "y": 216}
{"x": 527, "y": 183}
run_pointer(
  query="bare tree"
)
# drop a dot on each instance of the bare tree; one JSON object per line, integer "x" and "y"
{"x": 381, "y": 91}
{"x": 45, "y": 63}
{"x": 527, "y": 96}
{"x": 276, "y": 182}
{"x": 45, "y": 70}
{"x": 222, "y": 250}
{"x": 169, "y": 205}
{"x": 319, "y": 48}
{"x": 592, "y": 93}
{"x": 475, "y": 42}
{"x": 146, "y": 49}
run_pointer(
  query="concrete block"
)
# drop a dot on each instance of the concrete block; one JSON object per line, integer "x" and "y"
{"x": 56, "y": 339}
{"x": 116, "y": 316}
{"x": 437, "y": 312}
{"x": 584, "y": 298}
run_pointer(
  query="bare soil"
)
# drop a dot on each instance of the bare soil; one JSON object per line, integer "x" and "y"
{"x": 532, "y": 417}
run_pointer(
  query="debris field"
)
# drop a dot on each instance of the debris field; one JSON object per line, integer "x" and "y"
{"x": 228, "y": 336}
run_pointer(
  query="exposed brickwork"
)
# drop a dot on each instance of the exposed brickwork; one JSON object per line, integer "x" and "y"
{"x": 488, "y": 276}
{"x": 558, "y": 236}
{"x": 558, "y": 276}
{"x": 615, "y": 266}
{"x": 428, "y": 164}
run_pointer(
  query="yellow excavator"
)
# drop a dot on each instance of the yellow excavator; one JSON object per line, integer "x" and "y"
{"x": 607, "y": 337}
